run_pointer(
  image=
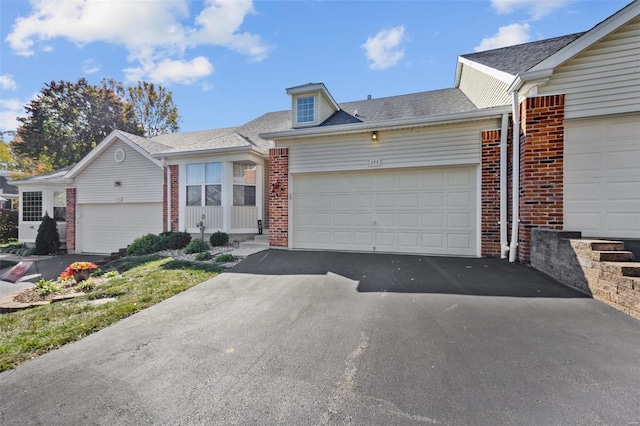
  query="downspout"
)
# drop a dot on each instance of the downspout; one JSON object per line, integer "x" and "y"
{"x": 504, "y": 244}
{"x": 515, "y": 216}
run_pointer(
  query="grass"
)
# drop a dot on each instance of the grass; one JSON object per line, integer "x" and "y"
{"x": 144, "y": 281}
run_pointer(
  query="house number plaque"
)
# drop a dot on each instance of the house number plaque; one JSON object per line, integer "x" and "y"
{"x": 375, "y": 163}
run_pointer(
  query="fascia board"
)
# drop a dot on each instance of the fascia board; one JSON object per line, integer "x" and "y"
{"x": 591, "y": 37}
{"x": 390, "y": 124}
{"x": 211, "y": 151}
{"x": 529, "y": 77}
{"x": 500, "y": 75}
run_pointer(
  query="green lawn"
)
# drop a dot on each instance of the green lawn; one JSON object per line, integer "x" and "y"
{"x": 144, "y": 281}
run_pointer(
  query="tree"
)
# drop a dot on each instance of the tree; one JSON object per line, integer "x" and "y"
{"x": 152, "y": 105}
{"x": 48, "y": 239}
{"x": 67, "y": 120}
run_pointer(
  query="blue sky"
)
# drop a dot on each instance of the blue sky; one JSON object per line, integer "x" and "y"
{"x": 228, "y": 62}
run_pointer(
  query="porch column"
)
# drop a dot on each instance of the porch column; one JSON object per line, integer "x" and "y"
{"x": 227, "y": 195}
{"x": 490, "y": 232}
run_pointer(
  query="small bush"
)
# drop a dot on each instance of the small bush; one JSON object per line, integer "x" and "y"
{"x": 45, "y": 287}
{"x": 47, "y": 239}
{"x": 226, "y": 257}
{"x": 111, "y": 274}
{"x": 85, "y": 286}
{"x": 9, "y": 248}
{"x": 150, "y": 243}
{"x": 205, "y": 255}
{"x": 97, "y": 272}
{"x": 196, "y": 246}
{"x": 176, "y": 240}
{"x": 219, "y": 239}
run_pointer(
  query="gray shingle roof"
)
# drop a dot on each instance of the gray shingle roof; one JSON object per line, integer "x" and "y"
{"x": 413, "y": 105}
{"x": 522, "y": 57}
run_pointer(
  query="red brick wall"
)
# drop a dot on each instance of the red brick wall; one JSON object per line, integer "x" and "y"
{"x": 71, "y": 220}
{"x": 175, "y": 197}
{"x": 490, "y": 233}
{"x": 541, "y": 168}
{"x": 279, "y": 197}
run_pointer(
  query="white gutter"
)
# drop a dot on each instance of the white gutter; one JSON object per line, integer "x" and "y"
{"x": 504, "y": 244}
{"x": 212, "y": 151}
{"x": 515, "y": 215}
{"x": 487, "y": 113}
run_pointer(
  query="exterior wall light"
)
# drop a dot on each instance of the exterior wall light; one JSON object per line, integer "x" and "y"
{"x": 374, "y": 136}
{"x": 117, "y": 183}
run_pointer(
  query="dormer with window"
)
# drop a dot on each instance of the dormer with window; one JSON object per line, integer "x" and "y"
{"x": 311, "y": 105}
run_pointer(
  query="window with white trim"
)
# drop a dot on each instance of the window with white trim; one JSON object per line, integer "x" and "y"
{"x": 204, "y": 184}
{"x": 244, "y": 184}
{"x": 305, "y": 110}
{"x": 32, "y": 206}
{"x": 60, "y": 206}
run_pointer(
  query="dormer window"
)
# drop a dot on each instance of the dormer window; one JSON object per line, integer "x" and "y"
{"x": 305, "y": 108}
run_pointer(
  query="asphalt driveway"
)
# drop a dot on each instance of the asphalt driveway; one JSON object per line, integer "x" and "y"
{"x": 334, "y": 338}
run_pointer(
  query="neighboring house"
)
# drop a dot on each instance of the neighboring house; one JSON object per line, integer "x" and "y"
{"x": 427, "y": 173}
{"x": 8, "y": 193}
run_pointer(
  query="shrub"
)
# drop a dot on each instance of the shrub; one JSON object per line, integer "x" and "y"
{"x": 147, "y": 244}
{"x": 219, "y": 239}
{"x": 226, "y": 257}
{"x": 196, "y": 246}
{"x": 176, "y": 240}
{"x": 8, "y": 226}
{"x": 205, "y": 255}
{"x": 48, "y": 239}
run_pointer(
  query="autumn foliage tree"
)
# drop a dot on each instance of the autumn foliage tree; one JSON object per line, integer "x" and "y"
{"x": 152, "y": 106}
{"x": 67, "y": 120}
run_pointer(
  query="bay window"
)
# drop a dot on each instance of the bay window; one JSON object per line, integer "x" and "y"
{"x": 244, "y": 184}
{"x": 60, "y": 206}
{"x": 32, "y": 206}
{"x": 204, "y": 184}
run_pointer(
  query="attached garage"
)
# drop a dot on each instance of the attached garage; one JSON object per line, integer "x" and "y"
{"x": 106, "y": 228}
{"x": 602, "y": 176}
{"x": 429, "y": 210}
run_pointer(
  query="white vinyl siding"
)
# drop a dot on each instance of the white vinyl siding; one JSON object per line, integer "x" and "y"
{"x": 106, "y": 228}
{"x": 431, "y": 146}
{"x": 325, "y": 108}
{"x": 140, "y": 179}
{"x": 419, "y": 211}
{"x": 482, "y": 89}
{"x": 602, "y": 177}
{"x": 602, "y": 80}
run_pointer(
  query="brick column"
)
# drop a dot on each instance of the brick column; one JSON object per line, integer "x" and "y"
{"x": 490, "y": 232}
{"x": 71, "y": 220}
{"x": 279, "y": 197}
{"x": 541, "y": 168}
{"x": 175, "y": 197}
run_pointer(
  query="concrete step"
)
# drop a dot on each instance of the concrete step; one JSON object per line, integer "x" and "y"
{"x": 253, "y": 244}
{"x": 263, "y": 238}
{"x": 626, "y": 269}
{"x": 245, "y": 252}
{"x": 604, "y": 245}
{"x": 612, "y": 256}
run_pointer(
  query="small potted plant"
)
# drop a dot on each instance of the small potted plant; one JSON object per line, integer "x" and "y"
{"x": 80, "y": 271}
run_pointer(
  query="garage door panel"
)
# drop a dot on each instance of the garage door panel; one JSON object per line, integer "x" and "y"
{"x": 106, "y": 228}
{"x": 602, "y": 177}
{"x": 430, "y": 211}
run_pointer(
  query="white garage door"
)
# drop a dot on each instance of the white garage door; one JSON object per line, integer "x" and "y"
{"x": 426, "y": 211}
{"x": 106, "y": 228}
{"x": 602, "y": 177}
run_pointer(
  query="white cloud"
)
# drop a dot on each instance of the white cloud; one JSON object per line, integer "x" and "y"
{"x": 172, "y": 71}
{"x": 7, "y": 82}
{"x": 90, "y": 66}
{"x": 10, "y": 109}
{"x": 384, "y": 50}
{"x": 206, "y": 86}
{"x": 536, "y": 8}
{"x": 506, "y": 36}
{"x": 156, "y": 34}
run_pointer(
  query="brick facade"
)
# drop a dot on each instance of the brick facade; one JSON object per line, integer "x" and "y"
{"x": 279, "y": 197}
{"x": 541, "y": 168}
{"x": 175, "y": 197}
{"x": 490, "y": 193}
{"x": 71, "y": 220}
